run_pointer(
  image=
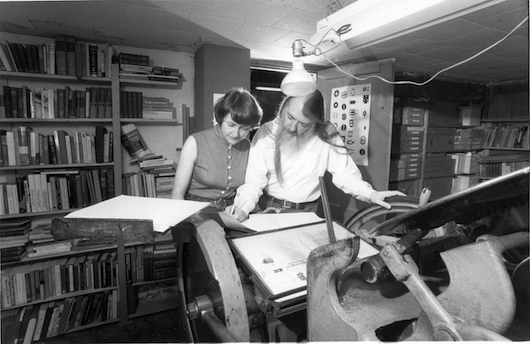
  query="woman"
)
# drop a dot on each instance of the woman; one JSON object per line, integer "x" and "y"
{"x": 212, "y": 162}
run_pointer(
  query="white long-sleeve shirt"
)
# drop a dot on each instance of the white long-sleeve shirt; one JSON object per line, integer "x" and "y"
{"x": 301, "y": 172}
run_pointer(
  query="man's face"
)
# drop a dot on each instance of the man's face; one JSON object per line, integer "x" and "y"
{"x": 293, "y": 121}
{"x": 295, "y": 129}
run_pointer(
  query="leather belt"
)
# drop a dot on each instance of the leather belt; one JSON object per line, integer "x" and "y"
{"x": 220, "y": 203}
{"x": 287, "y": 204}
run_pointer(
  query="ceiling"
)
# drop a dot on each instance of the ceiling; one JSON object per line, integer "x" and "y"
{"x": 269, "y": 27}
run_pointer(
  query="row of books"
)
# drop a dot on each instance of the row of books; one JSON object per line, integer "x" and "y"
{"x": 158, "y": 108}
{"x": 41, "y": 321}
{"x": 52, "y": 247}
{"x": 23, "y": 147}
{"x": 135, "y": 105}
{"x": 150, "y": 263}
{"x": 135, "y": 66}
{"x": 56, "y": 190}
{"x": 23, "y": 102}
{"x": 504, "y": 105}
{"x": 152, "y": 183}
{"x": 47, "y": 279}
{"x": 61, "y": 56}
{"x": 496, "y": 169}
{"x": 507, "y": 136}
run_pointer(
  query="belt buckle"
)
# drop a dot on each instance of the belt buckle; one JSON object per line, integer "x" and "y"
{"x": 220, "y": 203}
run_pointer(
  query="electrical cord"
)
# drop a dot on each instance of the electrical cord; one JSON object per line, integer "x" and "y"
{"x": 318, "y": 52}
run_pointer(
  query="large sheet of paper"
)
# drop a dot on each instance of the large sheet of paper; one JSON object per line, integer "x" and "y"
{"x": 165, "y": 213}
{"x": 263, "y": 222}
{"x": 279, "y": 258}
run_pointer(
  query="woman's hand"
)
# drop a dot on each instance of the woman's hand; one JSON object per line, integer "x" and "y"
{"x": 236, "y": 213}
{"x": 378, "y": 197}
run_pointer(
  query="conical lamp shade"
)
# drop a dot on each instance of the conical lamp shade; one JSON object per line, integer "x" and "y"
{"x": 298, "y": 82}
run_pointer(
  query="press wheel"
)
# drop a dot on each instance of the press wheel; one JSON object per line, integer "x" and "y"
{"x": 209, "y": 272}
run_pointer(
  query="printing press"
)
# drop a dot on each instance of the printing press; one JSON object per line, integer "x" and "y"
{"x": 456, "y": 268}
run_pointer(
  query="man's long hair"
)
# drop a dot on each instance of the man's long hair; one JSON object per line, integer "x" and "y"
{"x": 313, "y": 109}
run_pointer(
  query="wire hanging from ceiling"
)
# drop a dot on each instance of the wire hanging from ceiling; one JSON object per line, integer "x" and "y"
{"x": 318, "y": 52}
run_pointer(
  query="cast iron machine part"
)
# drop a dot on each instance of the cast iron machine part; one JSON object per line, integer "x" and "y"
{"x": 387, "y": 297}
{"x": 218, "y": 302}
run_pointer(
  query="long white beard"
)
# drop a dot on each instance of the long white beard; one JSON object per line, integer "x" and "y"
{"x": 289, "y": 144}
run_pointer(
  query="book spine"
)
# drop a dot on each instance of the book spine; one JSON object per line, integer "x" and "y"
{"x": 60, "y": 56}
{"x": 71, "y": 67}
{"x": 51, "y": 58}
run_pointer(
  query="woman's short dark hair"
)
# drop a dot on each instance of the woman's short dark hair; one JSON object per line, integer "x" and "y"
{"x": 242, "y": 105}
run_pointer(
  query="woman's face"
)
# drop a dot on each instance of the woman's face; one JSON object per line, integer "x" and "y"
{"x": 232, "y": 131}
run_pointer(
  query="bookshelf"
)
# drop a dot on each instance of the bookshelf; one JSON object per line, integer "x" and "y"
{"x": 44, "y": 141}
{"x": 506, "y": 121}
{"x": 118, "y": 164}
{"x": 86, "y": 274}
{"x": 433, "y": 146}
{"x": 74, "y": 287}
{"x": 112, "y": 80}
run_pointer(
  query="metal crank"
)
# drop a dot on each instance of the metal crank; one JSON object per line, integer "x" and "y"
{"x": 436, "y": 277}
{"x": 460, "y": 312}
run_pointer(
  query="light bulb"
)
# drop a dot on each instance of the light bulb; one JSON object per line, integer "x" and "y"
{"x": 298, "y": 82}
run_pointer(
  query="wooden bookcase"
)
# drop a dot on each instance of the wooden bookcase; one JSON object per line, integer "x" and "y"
{"x": 78, "y": 278}
{"x": 152, "y": 130}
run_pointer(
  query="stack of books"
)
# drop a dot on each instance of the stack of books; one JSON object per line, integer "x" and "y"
{"x": 134, "y": 66}
{"x": 158, "y": 108}
{"x": 14, "y": 237}
{"x": 165, "y": 74}
{"x": 41, "y": 234}
{"x": 155, "y": 178}
{"x": 49, "y": 248}
{"x": 157, "y": 163}
{"x": 164, "y": 261}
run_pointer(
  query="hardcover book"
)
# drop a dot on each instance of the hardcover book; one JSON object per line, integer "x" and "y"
{"x": 60, "y": 56}
{"x": 133, "y": 142}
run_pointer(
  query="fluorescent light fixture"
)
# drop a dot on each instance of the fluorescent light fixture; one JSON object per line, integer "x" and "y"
{"x": 272, "y": 89}
{"x": 367, "y": 22}
{"x": 298, "y": 82}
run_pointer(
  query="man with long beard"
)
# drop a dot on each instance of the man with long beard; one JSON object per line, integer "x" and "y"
{"x": 290, "y": 153}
